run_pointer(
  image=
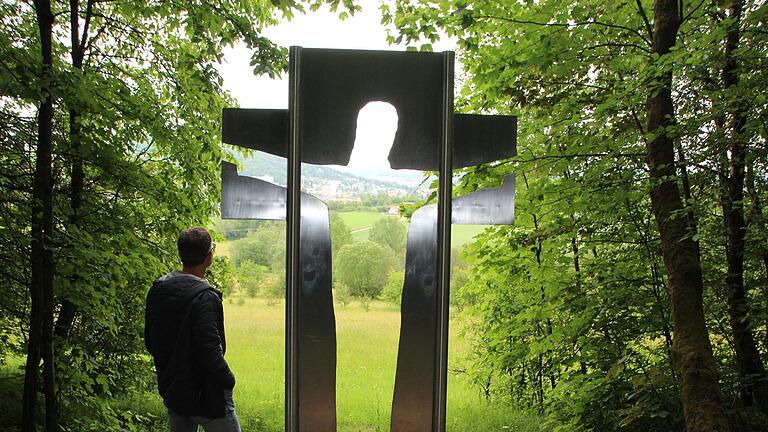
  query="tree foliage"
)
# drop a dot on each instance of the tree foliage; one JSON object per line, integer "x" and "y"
{"x": 340, "y": 234}
{"x": 264, "y": 245}
{"x": 363, "y": 267}
{"x": 135, "y": 151}
{"x": 389, "y": 232}
{"x": 575, "y": 296}
{"x": 393, "y": 288}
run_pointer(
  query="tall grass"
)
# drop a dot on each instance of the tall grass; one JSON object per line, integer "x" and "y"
{"x": 367, "y": 356}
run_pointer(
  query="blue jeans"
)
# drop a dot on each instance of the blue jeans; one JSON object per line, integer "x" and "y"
{"x": 228, "y": 423}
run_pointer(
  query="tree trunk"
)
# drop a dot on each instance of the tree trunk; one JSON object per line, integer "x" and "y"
{"x": 40, "y": 342}
{"x": 77, "y": 53}
{"x": 538, "y": 251}
{"x": 687, "y": 195}
{"x": 702, "y": 402}
{"x": 754, "y": 386}
{"x": 757, "y": 217}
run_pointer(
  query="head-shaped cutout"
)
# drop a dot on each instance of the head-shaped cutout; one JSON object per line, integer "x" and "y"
{"x": 377, "y": 125}
{"x": 334, "y": 85}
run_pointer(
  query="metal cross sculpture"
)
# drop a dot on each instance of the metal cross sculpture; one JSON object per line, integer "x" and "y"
{"x": 327, "y": 89}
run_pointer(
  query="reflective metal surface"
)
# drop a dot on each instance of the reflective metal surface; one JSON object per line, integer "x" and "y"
{"x": 293, "y": 267}
{"x": 250, "y": 198}
{"x": 245, "y": 197}
{"x": 316, "y": 332}
{"x": 259, "y": 129}
{"x": 495, "y": 206}
{"x": 444, "y": 194}
{"x": 477, "y": 139}
{"x": 412, "y": 405}
{"x": 336, "y": 84}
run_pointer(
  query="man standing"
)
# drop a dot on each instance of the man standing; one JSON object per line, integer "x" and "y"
{"x": 184, "y": 332}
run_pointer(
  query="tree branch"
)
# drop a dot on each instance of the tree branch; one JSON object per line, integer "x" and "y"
{"x": 691, "y": 12}
{"x": 86, "y": 28}
{"x": 643, "y": 15}
{"x": 569, "y": 25}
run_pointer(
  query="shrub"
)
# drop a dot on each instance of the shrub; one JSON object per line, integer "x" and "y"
{"x": 252, "y": 277}
{"x": 393, "y": 289}
{"x": 363, "y": 267}
{"x": 342, "y": 295}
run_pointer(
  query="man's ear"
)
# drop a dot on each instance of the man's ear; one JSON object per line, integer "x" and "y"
{"x": 209, "y": 259}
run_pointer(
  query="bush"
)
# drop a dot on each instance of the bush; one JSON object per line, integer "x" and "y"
{"x": 461, "y": 293}
{"x": 363, "y": 267}
{"x": 365, "y": 302}
{"x": 264, "y": 246}
{"x": 252, "y": 277}
{"x": 274, "y": 284}
{"x": 221, "y": 275}
{"x": 342, "y": 295}
{"x": 393, "y": 290}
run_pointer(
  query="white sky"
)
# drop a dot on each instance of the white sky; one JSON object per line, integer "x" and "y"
{"x": 377, "y": 121}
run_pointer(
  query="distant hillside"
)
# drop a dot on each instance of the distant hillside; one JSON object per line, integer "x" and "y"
{"x": 264, "y": 164}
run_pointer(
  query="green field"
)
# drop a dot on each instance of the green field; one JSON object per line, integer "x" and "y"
{"x": 367, "y": 355}
{"x": 360, "y": 219}
{"x": 359, "y": 223}
{"x": 463, "y": 234}
{"x": 366, "y": 352}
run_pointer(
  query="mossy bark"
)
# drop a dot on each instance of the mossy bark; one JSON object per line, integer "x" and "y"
{"x": 700, "y": 393}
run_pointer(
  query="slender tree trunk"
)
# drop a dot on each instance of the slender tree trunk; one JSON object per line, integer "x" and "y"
{"x": 757, "y": 217}
{"x": 754, "y": 385}
{"x": 539, "y": 250}
{"x": 687, "y": 195}
{"x": 77, "y": 53}
{"x": 540, "y": 382}
{"x": 702, "y": 402}
{"x": 40, "y": 342}
{"x": 49, "y": 361}
{"x": 575, "y": 247}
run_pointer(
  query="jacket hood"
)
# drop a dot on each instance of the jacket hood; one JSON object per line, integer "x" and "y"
{"x": 176, "y": 290}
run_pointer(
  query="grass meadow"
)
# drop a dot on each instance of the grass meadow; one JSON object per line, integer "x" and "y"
{"x": 356, "y": 220}
{"x": 366, "y": 359}
{"x": 367, "y": 355}
{"x": 360, "y": 222}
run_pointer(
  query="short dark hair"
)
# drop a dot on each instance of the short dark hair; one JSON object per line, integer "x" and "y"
{"x": 194, "y": 245}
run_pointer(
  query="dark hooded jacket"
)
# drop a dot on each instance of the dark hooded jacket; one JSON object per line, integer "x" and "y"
{"x": 184, "y": 332}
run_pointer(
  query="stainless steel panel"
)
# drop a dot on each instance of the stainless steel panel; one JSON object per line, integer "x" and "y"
{"x": 413, "y": 403}
{"x": 315, "y": 348}
{"x": 477, "y": 139}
